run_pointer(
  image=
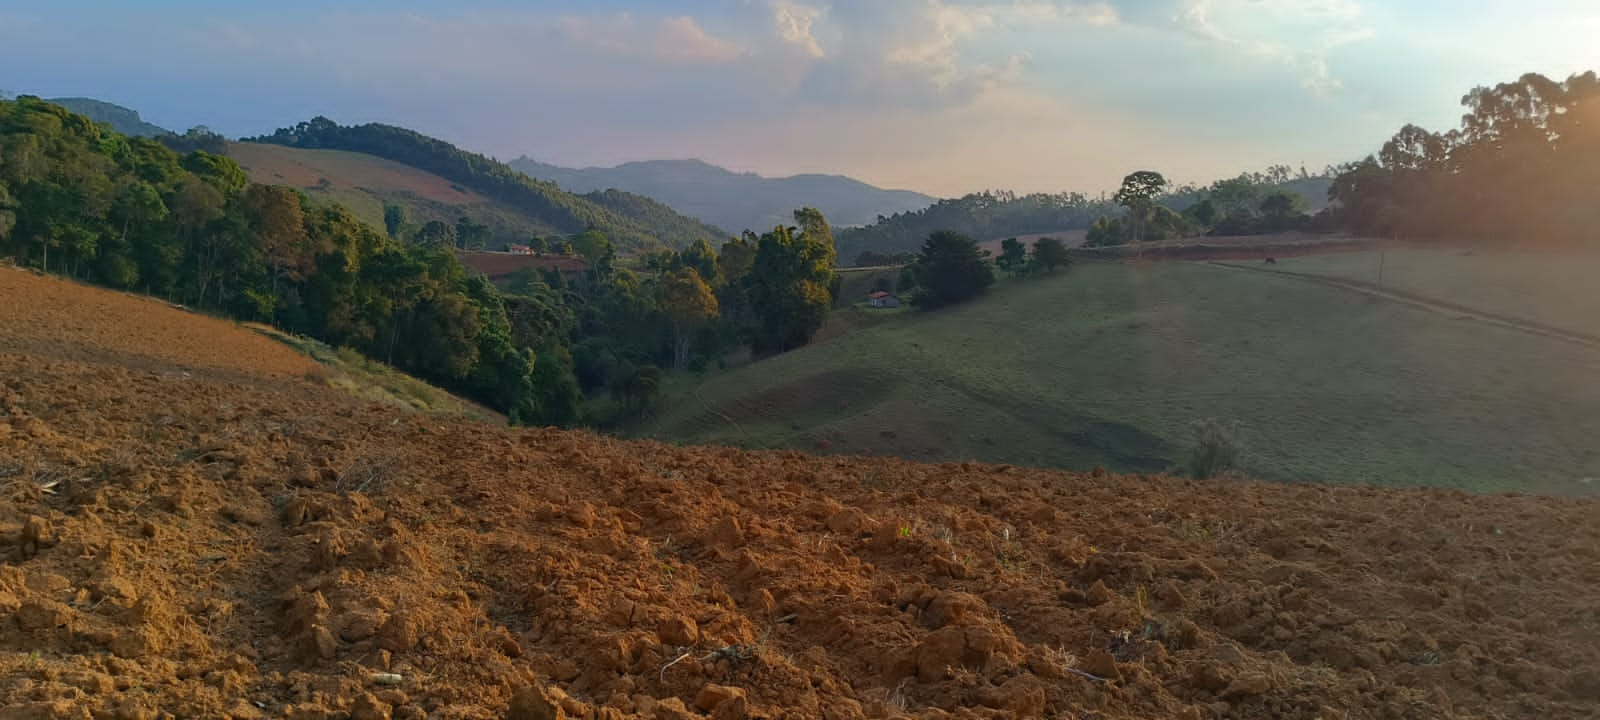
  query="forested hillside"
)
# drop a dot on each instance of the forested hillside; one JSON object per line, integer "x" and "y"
{"x": 81, "y": 200}
{"x": 1234, "y": 208}
{"x": 982, "y": 215}
{"x": 123, "y": 120}
{"x": 633, "y": 222}
{"x": 1522, "y": 169}
{"x": 735, "y": 201}
{"x": 381, "y": 191}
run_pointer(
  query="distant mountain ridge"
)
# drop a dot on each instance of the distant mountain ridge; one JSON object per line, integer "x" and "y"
{"x": 633, "y": 221}
{"x": 123, "y": 120}
{"x": 732, "y": 200}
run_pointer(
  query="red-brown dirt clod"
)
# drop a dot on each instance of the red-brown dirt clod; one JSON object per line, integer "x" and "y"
{"x": 201, "y": 558}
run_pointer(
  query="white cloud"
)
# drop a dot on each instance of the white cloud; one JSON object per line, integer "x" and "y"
{"x": 671, "y": 39}
{"x": 794, "y": 22}
{"x": 1297, "y": 33}
{"x": 917, "y": 53}
{"x": 1090, "y": 13}
{"x": 947, "y": 95}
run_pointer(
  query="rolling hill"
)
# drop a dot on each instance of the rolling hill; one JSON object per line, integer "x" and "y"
{"x": 735, "y": 201}
{"x": 121, "y": 119}
{"x": 198, "y": 526}
{"x": 365, "y": 183}
{"x": 1112, "y": 363}
{"x": 632, "y": 221}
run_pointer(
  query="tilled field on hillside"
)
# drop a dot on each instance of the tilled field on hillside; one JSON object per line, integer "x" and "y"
{"x": 237, "y": 541}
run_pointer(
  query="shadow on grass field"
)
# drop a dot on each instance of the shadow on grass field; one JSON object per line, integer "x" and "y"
{"x": 1114, "y": 363}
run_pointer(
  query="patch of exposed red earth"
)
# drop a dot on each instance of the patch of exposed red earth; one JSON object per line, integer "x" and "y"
{"x": 193, "y": 528}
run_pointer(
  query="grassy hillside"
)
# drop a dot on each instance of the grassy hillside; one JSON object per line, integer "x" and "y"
{"x": 348, "y": 371}
{"x": 1554, "y": 289}
{"x": 633, "y": 222}
{"x": 735, "y": 201}
{"x": 193, "y": 529}
{"x": 365, "y": 183}
{"x": 1112, "y": 363}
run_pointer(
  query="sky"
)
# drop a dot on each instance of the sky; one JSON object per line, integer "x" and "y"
{"x": 941, "y": 96}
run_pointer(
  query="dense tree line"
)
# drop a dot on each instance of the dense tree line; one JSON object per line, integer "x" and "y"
{"x": 1308, "y": 184}
{"x": 632, "y": 221}
{"x": 979, "y": 215}
{"x": 1250, "y": 204}
{"x": 81, "y": 200}
{"x": 1226, "y": 207}
{"x": 1523, "y": 168}
{"x": 198, "y": 137}
{"x": 130, "y": 213}
{"x": 952, "y": 268}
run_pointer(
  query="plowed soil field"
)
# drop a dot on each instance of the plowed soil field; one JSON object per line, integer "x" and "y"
{"x": 233, "y": 540}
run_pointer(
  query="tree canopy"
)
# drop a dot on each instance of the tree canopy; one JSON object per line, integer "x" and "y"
{"x": 131, "y": 213}
{"x": 1013, "y": 256}
{"x": 1522, "y": 168}
{"x": 1138, "y": 194}
{"x": 79, "y": 199}
{"x": 1050, "y": 253}
{"x": 789, "y": 282}
{"x": 978, "y": 215}
{"x": 689, "y": 303}
{"x": 951, "y": 269}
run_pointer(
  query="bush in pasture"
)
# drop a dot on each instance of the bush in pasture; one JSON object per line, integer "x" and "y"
{"x": 1217, "y": 448}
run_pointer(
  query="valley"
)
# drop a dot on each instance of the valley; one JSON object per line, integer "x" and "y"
{"x": 1112, "y": 363}
{"x": 197, "y": 524}
{"x": 349, "y": 422}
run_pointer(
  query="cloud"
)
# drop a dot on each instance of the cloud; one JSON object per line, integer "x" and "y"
{"x": 1089, "y": 13}
{"x": 923, "y": 54}
{"x": 1300, "y": 34}
{"x": 678, "y": 39}
{"x": 949, "y": 95}
{"x": 794, "y": 21}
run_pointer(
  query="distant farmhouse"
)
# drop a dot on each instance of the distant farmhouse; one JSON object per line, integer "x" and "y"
{"x": 881, "y": 299}
{"x": 500, "y": 266}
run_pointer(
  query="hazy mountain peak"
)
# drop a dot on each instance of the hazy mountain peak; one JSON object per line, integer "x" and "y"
{"x": 734, "y": 200}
